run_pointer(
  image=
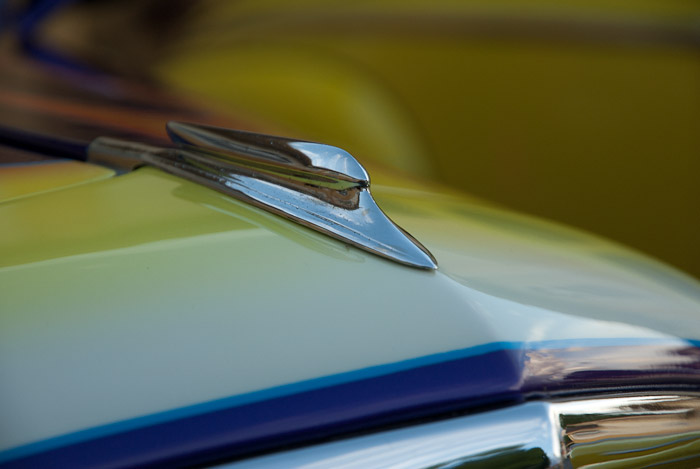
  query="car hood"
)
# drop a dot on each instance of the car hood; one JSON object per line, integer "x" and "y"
{"x": 144, "y": 303}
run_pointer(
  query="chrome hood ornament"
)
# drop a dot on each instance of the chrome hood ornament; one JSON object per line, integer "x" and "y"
{"x": 319, "y": 186}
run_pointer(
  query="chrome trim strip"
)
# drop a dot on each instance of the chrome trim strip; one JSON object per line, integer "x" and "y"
{"x": 634, "y": 432}
{"x": 627, "y": 431}
{"x": 319, "y": 186}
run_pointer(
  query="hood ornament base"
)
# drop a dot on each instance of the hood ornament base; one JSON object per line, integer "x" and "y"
{"x": 319, "y": 186}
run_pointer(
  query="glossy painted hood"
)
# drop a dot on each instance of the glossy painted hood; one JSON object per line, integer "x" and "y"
{"x": 146, "y": 318}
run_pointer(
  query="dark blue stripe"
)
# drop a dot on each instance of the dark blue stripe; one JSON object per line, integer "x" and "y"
{"x": 489, "y": 374}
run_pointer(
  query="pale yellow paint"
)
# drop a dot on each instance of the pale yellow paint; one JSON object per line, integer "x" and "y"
{"x": 24, "y": 180}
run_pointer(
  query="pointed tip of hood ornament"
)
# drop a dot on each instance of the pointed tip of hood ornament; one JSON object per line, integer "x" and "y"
{"x": 319, "y": 186}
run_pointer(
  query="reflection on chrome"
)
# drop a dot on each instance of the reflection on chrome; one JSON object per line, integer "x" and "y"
{"x": 319, "y": 186}
{"x": 617, "y": 432}
{"x": 633, "y": 432}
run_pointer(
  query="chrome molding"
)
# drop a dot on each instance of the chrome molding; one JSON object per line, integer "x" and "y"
{"x": 618, "y": 432}
{"x": 630, "y": 432}
{"x": 319, "y": 186}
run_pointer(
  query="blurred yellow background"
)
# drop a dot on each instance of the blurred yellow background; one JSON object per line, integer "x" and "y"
{"x": 585, "y": 112}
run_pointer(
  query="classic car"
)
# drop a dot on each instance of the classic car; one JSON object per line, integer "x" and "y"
{"x": 176, "y": 292}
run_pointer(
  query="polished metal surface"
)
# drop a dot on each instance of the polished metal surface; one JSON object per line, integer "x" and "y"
{"x": 619, "y": 432}
{"x": 316, "y": 185}
{"x": 631, "y": 432}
